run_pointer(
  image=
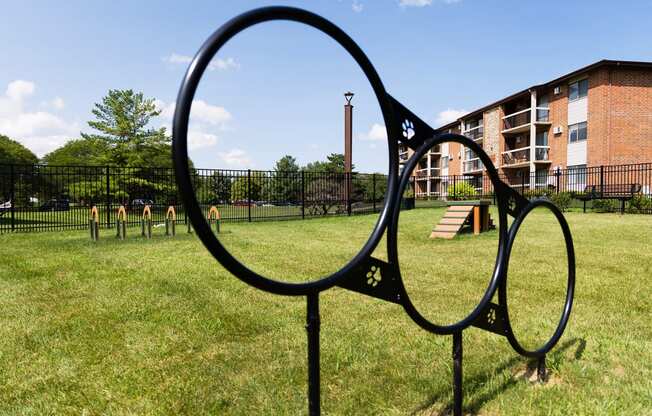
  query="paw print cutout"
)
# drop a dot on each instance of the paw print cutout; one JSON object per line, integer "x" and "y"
{"x": 373, "y": 277}
{"x": 491, "y": 316}
{"x": 408, "y": 129}
{"x": 511, "y": 203}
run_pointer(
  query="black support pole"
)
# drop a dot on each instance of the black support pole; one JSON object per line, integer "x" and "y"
{"x": 541, "y": 369}
{"x": 457, "y": 374}
{"x": 249, "y": 194}
{"x": 303, "y": 195}
{"x": 108, "y": 199}
{"x": 312, "y": 327}
{"x": 12, "y": 196}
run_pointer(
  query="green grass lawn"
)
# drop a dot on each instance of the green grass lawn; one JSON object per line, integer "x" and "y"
{"x": 159, "y": 327}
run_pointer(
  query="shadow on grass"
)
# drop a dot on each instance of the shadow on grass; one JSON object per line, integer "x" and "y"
{"x": 473, "y": 384}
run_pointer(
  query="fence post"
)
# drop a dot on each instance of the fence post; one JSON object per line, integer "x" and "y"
{"x": 373, "y": 190}
{"x": 303, "y": 195}
{"x": 348, "y": 177}
{"x": 108, "y": 199}
{"x": 12, "y": 197}
{"x": 249, "y": 194}
{"x": 601, "y": 179}
{"x": 454, "y": 189}
{"x": 558, "y": 175}
{"x": 522, "y": 183}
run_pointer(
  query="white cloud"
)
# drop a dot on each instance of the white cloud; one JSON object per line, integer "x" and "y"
{"x": 200, "y": 111}
{"x": 414, "y": 3}
{"x": 58, "y": 103}
{"x": 198, "y": 139}
{"x": 357, "y": 6}
{"x": 377, "y": 132}
{"x": 236, "y": 158}
{"x": 216, "y": 63}
{"x": 40, "y": 131}
{"x": 449, "y": 115}
{"x": 19, "y": 89}
{"x": 423, "y": 3}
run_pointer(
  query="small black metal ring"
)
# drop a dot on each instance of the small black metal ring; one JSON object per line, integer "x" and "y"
{"x": 180, "y": 151}
{"x": 502, "y": 200}
{"x": 570, "y": 290}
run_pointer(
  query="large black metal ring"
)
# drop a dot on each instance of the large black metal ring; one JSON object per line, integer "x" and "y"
{"x": 502, "y": 201}
{"x": 502, "y": 293}
{"x": 180, "y": 129}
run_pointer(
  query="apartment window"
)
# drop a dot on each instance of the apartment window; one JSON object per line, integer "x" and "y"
{"x": 444, "y": 162}
{"x": 578, "y": 89}
{"x": 577, "y": 132}
{"x": 576, "y": 175}
{"x": 542, "y": 138}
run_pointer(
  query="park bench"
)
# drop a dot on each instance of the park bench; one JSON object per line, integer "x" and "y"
{"x": 622, "y": 192}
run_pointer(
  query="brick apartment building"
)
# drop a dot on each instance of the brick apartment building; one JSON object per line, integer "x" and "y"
{"x": 598, "y": 115}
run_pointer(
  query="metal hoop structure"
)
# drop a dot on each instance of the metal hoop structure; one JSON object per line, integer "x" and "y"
{"x": 171, "y": 221}
{"x": 146, "y": 222}
{"x": 363, "y": 273}
{"x": 94, "y": 223}
{"x": 214, "y": 216}
{"x": 121, "y": 223}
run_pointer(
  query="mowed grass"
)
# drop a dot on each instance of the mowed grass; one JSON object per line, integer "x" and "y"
{"x": 159, "y": 327}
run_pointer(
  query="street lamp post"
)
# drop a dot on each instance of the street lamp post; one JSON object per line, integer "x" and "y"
{"x": 348, "y": 147}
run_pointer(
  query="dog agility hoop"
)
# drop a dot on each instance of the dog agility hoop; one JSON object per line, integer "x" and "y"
{"x": 146, "y": 222}
{"x": 94, "y": 224}
{"x": 403, "y": 128}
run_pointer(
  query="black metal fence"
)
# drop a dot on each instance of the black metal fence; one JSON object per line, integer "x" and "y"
{"x": 574, "y": 182}
{"x": 42, "y": 197}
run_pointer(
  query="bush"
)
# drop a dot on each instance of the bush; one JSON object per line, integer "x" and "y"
{"x": 461, "y": 190}
{"x": 605, "y": 205}
{"x": 562, "y": 200}
{"x": 640, "y": 204}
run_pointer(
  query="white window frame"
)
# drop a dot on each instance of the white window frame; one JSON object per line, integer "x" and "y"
{"x": 575, "y": 128}
{"x": 579, "y": 96}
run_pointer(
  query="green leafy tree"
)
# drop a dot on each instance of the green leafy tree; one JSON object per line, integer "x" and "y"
{"x": 12, "y": 152}
{"x": 286, "y": 180}
{"x": 243, "y": 184}
{"x": 122, "y": 121}
{"x": 89, "y": 151}
{"x": 334, "y": 163}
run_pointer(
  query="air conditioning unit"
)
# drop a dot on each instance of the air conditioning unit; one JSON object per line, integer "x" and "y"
{"x": 557, "y": 130}
{"x": 557, "y": 90}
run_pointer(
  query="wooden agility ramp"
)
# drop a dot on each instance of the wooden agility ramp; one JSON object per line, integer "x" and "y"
{"x": 474, "y": 214}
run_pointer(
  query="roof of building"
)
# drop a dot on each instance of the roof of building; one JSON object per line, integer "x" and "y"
{"x": 570, "y": 75}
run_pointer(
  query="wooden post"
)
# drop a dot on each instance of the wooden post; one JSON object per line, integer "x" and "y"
{"x": 476, "y": 220}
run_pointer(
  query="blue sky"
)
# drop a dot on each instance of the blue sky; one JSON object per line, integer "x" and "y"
{"x": 277, "y": 89}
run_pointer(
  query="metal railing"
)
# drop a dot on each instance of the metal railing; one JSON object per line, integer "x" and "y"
{"x": 42, "y": 197}
{"x": 474, "y": 133}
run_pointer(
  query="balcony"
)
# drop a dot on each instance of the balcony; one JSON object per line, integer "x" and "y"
{"x": 542, "y": 154}
{"x": 435, "y": 150}
{"x": 516, "y": 158}
{"x": 473, "y": 166}
{"x": 425, "y": 173}
{"x": 520, "y": 121}
{"x": 475, "y": 133}
{"x": 521, "y": 157}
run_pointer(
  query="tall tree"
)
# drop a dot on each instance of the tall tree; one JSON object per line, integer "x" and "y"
{"x": 334, "y": 163}
{"x": 12, "y": 152}
{"x": 122, "y": 121}
{"x": 286, "y": 180}
{"x": 80, "y": 152}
